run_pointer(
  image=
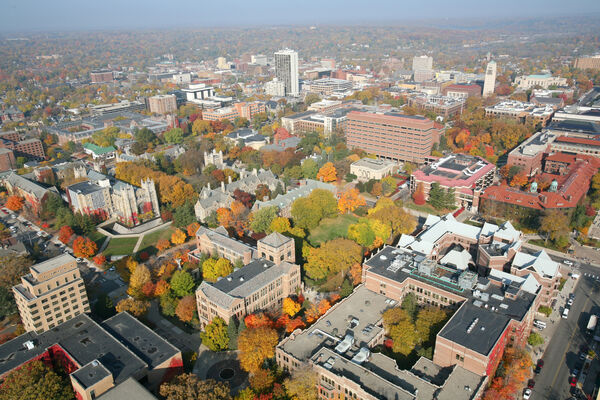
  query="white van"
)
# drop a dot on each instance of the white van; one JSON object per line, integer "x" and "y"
{"x": 539, "y": 324}
{"x": 565, "y": 313}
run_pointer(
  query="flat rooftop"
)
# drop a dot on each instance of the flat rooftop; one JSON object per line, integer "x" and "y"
{"x": 91, "y": 373}
{"x": 52, "y": 263}
{"x": 374, "y": 164}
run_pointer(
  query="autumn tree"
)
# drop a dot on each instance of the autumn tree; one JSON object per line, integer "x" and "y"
{"x": 14, "y": 203}
{"x": 35, "y": 381}
{"x": 84, "y": 247}
{"x": 139, "y": 277}
{"x": 149, "y": 289}
{"x": 260, "y": 220}
{"x": 308, "y": 211}
{"x": 189, "y": 386}
{"x": 350, "y": 200}
{"x": 393, "y": 216}
{"x": 99, "y": 259}
{"x": 404, "y": 336}
{"x": 192, "y": 229}
{"x": 133, "y": 306}
{"x": 13, "y": 268}
{"x": 215, "y": 335}
{"x": 178, "y": 237}
{"x": 327, "y": 173}
{"x": 262, "y": 380}
{"x": 258, "y": 320}
{"x": 428, "y": 321}
{"x": 355, "y": 273}
{"x": 302, "y": 385}
{"x": 419, "y": 195}
{"x": 186, "y": 308}
{"x": 554, "y": 224}
{"x": 332, "y": 257}
{"x": 65, "y": 233}
{"x": 214, "y": 269}
{"x": 255, "y": 346}
{"x": 163, "y": 244}
{"x": 290, "y": 307}
{"x": 182, "y": 283}
{"x": 519, "y": 180}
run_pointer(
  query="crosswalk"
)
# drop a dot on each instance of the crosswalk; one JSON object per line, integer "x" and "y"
{"x": 592, "y": 276}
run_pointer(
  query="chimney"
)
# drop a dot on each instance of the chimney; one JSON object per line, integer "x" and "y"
{"x": 223, "y": 187}
{"x": 229, "y": 179}
{"x": 255, "y": 172}
{"x": 209, "y": 186}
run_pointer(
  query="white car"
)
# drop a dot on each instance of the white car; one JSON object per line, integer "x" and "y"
{"x": 569, "y": 263}
{"x": 527, "y": 394}
{"x": 79, "y": 259}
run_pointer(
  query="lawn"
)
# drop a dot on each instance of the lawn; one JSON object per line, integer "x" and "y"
{"x": 426, "y": 208}
{"x": 331, "y": 228}
{"x": 549, "y": 245}
{"x": 120, "y": 246}
{"x": 150, "y": 239}
{"x": 97, "y": 237}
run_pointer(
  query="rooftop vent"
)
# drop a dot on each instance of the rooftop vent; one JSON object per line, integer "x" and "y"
{"x": 95, "y": 363}
{"x": 241, "y": 279}
{"x": 265, "y": 265}
{"x": 470, "y": 328}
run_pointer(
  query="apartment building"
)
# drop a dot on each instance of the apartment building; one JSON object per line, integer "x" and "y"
{"x": 52, "y": 293}
{"x": 467, "y": 175}
{"x": 28, "y": 148}
{"x": 7, "y": 160}
{"x": 395, "y": 136}
{"x": 444, "y": 106}
{"x": 98, "y": 357}
{"x": 259, "y": 285}
{"x": 162, "y": 104}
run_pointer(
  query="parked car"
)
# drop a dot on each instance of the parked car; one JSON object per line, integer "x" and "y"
{"x": 527, "y": 394}
{"x": 572, "y": 296}
{"x": 569, "y": 263}
{"x": 565, "y": 313}
{"x": 570, "y": 302}
{"x": 79, "y": 259}
{"x": 530, "y": 384}
{"x": 539, "y": 366}
{"x": 572, "y": 381}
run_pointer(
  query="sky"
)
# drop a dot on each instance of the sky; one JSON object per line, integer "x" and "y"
{"x": 68, "y": 15}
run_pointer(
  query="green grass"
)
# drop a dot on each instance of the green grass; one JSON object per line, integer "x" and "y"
{"x": 331, "y": 228}
{"x": 120, "y": 246}
{"x": 97, "y": 237}
{"x": 150, "y": 239}
{"x": 426, "y": 208}
{"x": 549, "y": 245}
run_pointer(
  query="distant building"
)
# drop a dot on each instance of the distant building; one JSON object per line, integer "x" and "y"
{"x": 368, "y": 168}
{"x": 544, "y": 81}
{"x": 53, "y": 292}
{"x": 32, "y": 149}
{"x": 11, "y": 114}
{"x": 162, "y": 104}
{"x": 105, "y": 153}
{"x": 275, "y": 88}
{"x": 33, "y": 193}
{"x": 325, "y": 106}
{"x": 521, "y": 112}
{"x": 462, "y": 91}
{"x": 422, "y": 67}
{"x": 242, "y": 110}
{"x": 248, "y": 137}
{"x": 286, "y": 70}
{"x": 394, "y": 136}
{"x": 7, "y": 160}
{"x": 467, "y": 175}
{"x": 489, "y": 82}
{"x": 102, "y": 76}
{"x": 588, "y": 62}
{"x": 259, "y": 59}
{"x": 260, "y": 285}
{"x": 222, "y": 63}
{"x": 199, "y": 91}
{"x": 328, "y": 63}
{"x": 327, "y": 86}
{"x": 444, "y": 106}
{"x": 284, "y": 201}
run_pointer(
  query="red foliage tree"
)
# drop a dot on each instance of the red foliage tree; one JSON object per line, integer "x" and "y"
{"x": 243, "y": 197}
{"x": 419, "y": 195}
{"x": 148, "y": 289}
{"x": 65, "y": 233}
{"x": 14, "y": 203}
{"x": 258, "y": 320}
{"x": 100, "y": 259}
{"x": 84, "y": 247}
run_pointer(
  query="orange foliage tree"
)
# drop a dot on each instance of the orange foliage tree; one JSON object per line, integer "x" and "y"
{"x": 65, "y": 233}
{"x": 419, "y": 195}
{"x": 161, "y": 287}
{"x": 519, "y": 180}
{"x": 100, "y": 259}
{"x": 163, "y": 244}
{"x": 84, "y": 247}
{"x": 253, "y": 321}
{"x": 149, "y": 289}
{"x": 350, "y": 200}
{"x": 294, "y": 324}
{"x": 14, "y": 203}
{"x": 192, "y": 229}
{"x": 355, "y": 273}
{"x": 185, "y": 308}
{"x": 323, "y": 306}
{"x": 255, "y": 346}
{"x": 178, "y": 237}
{"x": 327, "y": 173}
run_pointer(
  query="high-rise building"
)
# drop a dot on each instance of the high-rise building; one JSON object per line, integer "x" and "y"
{"x": 286, "y": 70}
{"x": 222, "y": 63}
{"x": 422, "y": 63}
{"x": 162, "y": 103}
{"x": 52, "y": 293}
{"x": 275, "y": 88}
{"x": 588, "y": 62}
{"x": 259, "y": 59}
{"x": 489, "y": 82}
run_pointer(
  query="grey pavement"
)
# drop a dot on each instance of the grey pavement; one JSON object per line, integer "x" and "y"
{"x": 180, "y": 339}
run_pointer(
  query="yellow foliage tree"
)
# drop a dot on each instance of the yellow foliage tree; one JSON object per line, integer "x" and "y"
{"x": 290, "y": 307}
{"x": 178, "y": 237}
{"x": 327, "y": 173}
{"x": 133, "y": 306}
{"x": 350, "y": 200}
{"x": 255, "y": 346}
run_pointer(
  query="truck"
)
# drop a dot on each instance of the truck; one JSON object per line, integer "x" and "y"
{"x": 591, "y": 325}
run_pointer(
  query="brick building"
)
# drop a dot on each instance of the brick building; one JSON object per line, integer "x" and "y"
{"x": 444, "y": 106}
{"x": 51, "y": 293}
{"x": 217, "y": 241}
{"x": 28, "y": 148}
{"x": 259, "y": 285}
{"x": 277, "y": 248}
{"x": 33, "y": 193}
{"x": 242, "y": 110}
{"x": 102, "y": 76}
{"x": 7, "y": 160}
{"x": 97, "y": 356}
{"x": 462, "y": 91}
{"x": 394, "y": 136}
{"x": 467, "y": 175}
{"x": 162, "y": 104}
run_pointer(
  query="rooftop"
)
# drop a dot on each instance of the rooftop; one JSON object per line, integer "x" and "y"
{"x": 374, "y": 164}
{"x": 275, "y": 240}
{"x": 221, "y": 238}
{"x": 455, "y": 170}
{"x": 130, "y": 389}
{"x": 91, "y": 373}
{"x": 53, "y": 263}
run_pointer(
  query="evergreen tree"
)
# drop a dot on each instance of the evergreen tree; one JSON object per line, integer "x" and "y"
{"x": 232, "y": 332}
{"x": 437, "y": 196}
{"x": 346, "y": 288}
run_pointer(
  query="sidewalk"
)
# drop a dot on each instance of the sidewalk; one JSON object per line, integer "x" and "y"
{"x": 177, "y": 337}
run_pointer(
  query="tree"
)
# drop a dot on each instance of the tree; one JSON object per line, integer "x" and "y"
{"x": 133, "y": 306}
{"x": 215, "y": 335}
{"x": 327, "y": 173}
{"x": 189, "y": 386}
{"x": 65, "y": 233}
{"x": 309, "y": 211}
{"x": 139, "y": 277}
{"x": 302, "y": 385}
{"x": 184, "y": 215}
{"x": 280, "y": 224}
{"x": 7, "y": 303}
{"x": 393, "y": 216}
{"x": 535, "y": 339}
{"x": 13, "y": 268}
{"x": 168, "y": 303}
{"x": 255, "y": 346}
{"x": 84, "y": 247}
{"x": 405, "y": 337}
{"x": 332, "y": 257}
{"x": 260, "y": 220}
{"x": 149, "y": 289}
{"x": 14, "y": 203}
{"x": 290, "y": 307}
{"x": 182, "y": 283}
{"x": 519, "y": 180}
{"x": 419, "y": 195}
{"x": 361, "y": 233}
{"x": 178, "y": 237}
{"x": 145, "y": 136}
{"x": 35, "y": 381}
{"x": 192, "y": 229}
{"x": 232, "y": 333}
{"x": 428, "y": 319}
{"x": 100, "y": 259}
{"x": 350, "y": 200}
{"x": 262, "y": 380}
{"x": 174, "y": 135}
{"x": 554, "y": 224}
{"x": 186, "y": 308}
{"x": 200, "y": 127}
{"x": 163, "y": 244}
{"x": 310, "y": 169}
{"x": 439, "y": 198}
{"x": 213, "y": 269}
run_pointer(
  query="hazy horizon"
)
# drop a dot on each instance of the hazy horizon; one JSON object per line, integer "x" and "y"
{"x": 69, "y": 15}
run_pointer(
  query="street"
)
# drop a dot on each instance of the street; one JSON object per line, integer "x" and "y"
{"x": 569, "y": 338}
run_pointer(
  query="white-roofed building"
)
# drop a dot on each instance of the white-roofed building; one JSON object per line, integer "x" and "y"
{"x": 543, "y": 268}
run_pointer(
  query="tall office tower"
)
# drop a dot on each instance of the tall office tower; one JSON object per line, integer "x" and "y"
{"x": 286, "y": 70}
{"x": 422, "y": 63}
{"x": 52, "y": 293}
{"x": 490, "y": 79}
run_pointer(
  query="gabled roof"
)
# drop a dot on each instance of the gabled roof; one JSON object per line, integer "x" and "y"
{"x": 460, "y": 259}
{"x": 275, "y": 239}
{"x": 539, "y": 262}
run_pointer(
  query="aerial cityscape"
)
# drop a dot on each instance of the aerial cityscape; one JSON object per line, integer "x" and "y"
{"x": 276, "y": 201}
